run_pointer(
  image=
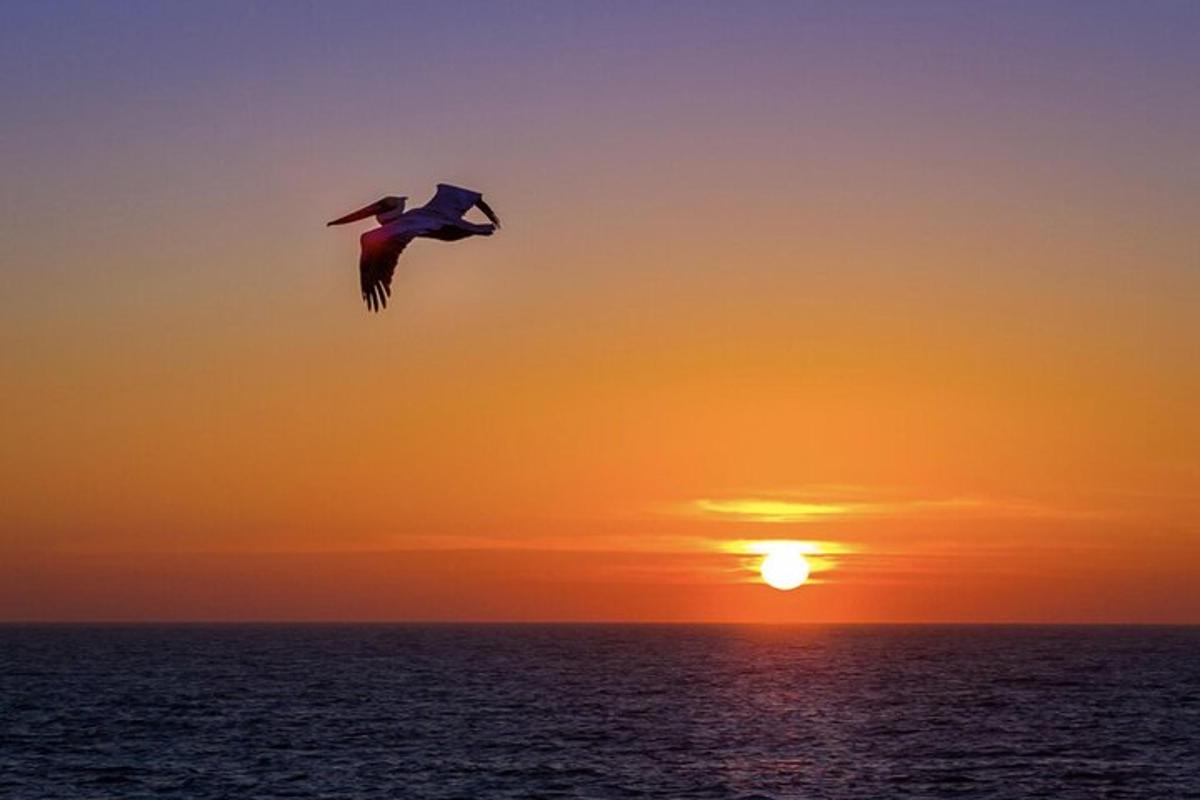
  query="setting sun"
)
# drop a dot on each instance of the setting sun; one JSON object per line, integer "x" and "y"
{"x": 784, "y": 567}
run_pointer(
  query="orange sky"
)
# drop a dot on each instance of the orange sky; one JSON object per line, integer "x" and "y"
{"x": 939, "y": 316}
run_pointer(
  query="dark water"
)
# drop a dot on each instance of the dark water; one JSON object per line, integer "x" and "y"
{"x": 598, "y": 712}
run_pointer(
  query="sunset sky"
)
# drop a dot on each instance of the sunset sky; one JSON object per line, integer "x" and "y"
{"x": 917, "y": 284}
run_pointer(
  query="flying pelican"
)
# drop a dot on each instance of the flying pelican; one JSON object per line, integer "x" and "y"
{"x": 440, "y": 218}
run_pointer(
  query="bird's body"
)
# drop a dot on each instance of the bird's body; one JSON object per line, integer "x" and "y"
{"x": 441, "y": 218}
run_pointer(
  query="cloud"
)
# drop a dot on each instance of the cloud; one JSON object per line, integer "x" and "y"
{"x": 600, "y": 544}
{"x": 830, "y": 503}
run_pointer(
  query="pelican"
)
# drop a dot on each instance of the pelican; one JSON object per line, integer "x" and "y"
{"x": 441, "y": 218}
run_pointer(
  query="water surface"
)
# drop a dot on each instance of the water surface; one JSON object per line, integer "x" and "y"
{"x": 427, "y": 711}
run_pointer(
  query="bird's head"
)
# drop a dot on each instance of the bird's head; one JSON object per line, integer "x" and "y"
{"x": 390, "y": 206}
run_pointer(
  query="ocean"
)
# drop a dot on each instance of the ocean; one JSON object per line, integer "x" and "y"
{"x": 598, "y": 711}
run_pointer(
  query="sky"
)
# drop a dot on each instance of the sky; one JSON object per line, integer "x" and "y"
{"x": 914, "y": 284}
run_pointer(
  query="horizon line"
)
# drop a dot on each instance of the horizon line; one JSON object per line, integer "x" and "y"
{"x": 609, "y": 623}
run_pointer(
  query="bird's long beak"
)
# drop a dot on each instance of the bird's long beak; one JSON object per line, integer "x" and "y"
{"x": 362, "y": 213}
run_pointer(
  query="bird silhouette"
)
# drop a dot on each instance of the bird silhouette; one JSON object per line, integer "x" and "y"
{"x": 441, "y": 218}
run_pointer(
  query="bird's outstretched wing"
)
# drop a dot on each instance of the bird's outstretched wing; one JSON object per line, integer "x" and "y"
{"x": 377, "y": 263}
{"x": 452, "y": 201}
{"x": 487, "y": 211}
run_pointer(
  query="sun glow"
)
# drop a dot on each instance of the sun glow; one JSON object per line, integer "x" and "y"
{"x": 784, "y": 566}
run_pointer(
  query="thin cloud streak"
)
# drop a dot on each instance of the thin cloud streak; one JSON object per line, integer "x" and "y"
{"x": 844, "y": 503}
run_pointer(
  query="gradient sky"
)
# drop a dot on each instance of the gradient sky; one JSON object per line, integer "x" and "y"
{"x": 916, "y": 282}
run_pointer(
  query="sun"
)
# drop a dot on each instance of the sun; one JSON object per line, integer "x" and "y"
{"x": 784, "y": 567}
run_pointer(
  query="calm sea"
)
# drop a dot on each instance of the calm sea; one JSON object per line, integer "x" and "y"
{"x": 509, "y": 711}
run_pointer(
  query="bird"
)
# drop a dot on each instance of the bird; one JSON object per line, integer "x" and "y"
{"x": 441, "y": 218}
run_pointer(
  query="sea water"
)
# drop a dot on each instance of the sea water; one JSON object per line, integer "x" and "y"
{"x": 598, "y": 711}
